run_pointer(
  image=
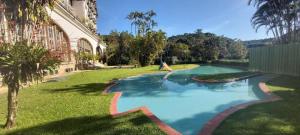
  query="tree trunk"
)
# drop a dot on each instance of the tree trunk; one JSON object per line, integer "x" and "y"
{"x": 11, "y": 107}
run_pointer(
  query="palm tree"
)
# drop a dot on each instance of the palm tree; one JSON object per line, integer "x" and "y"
{"x": 264, "y": 16}
{"x": 143, "y": 21}
{"x": 150, "y": 22}
{"x": 132, "y": 17}
{"x": 279, "y": 16}
{"x": 135, "y": 18}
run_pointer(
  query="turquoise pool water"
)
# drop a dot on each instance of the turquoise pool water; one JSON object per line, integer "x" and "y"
{"x": 182, "y": 103}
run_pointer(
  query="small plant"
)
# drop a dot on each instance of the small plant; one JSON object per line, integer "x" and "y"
{"x": 22, "y": 63}
{"x": 85, "y": 59}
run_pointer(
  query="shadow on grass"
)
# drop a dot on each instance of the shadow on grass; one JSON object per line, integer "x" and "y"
{"x": 85, "y": 89}
{"x": 275, "y": 118}
{"x": 286, "y": 87}
{"x": 92, "y": 125}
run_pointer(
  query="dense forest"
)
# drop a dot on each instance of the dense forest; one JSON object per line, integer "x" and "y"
{"x": 147, "y": 46}
{"x": 125, "y": 48}
{"x": 203, "y": 47}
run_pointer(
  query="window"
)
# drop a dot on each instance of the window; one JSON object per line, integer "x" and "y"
{"x": 56, "y": 41}
{"x": 84, "y": 46}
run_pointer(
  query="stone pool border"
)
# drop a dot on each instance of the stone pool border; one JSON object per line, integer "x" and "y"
{"x": 114, "y": 111}
{"x": 211, "y": 125}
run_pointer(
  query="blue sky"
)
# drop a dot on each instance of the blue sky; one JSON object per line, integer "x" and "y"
{"x": 230, "y": 18}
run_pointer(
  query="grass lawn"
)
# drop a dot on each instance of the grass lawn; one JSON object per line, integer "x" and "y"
{"x": 75, "y": 105}
{"x": 276, "y": 118}
{"x": 225, "y": 77}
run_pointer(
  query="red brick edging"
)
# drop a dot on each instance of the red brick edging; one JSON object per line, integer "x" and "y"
{"x": 211, "y": 125}
{"x": 109, "y": 85}
{"x": 114, "y": 112}
{"x": 207, "y": 129}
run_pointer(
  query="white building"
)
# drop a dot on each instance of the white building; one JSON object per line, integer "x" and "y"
{"x": 72, "y": 28}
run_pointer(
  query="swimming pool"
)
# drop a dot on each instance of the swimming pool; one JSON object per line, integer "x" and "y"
{"x": 182, "y": 103}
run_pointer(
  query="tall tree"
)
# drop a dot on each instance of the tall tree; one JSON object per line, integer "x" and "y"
{"x": 237, "y": 50}
{"x": 180, "y": 50}
{"x": 150, "y": 23}
{"x": 281, "y": 17}
{"x": 135, "y": 18}
{"x": 143, "y": 21}
{"x": 119, "y": 46}
{"x": 151, "y": 47}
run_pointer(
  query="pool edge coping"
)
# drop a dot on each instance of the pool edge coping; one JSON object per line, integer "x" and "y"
{"x": 207, "y": 129}
{"x": 114, "y": 111}
{"x": 212, "y": 124}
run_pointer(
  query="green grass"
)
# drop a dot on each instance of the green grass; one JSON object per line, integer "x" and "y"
{"x": 276, "y": 118}
{"x": 76, "y": 106}
{"x": 226, "y": 76}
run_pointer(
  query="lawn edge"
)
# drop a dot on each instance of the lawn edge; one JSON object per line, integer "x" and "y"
{"x": 211, "y": 125}
{"x": 114, "y": 111}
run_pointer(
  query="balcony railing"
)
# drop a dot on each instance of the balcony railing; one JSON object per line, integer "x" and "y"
{"x": 66, "y": 6}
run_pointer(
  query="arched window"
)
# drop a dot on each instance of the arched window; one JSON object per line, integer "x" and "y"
{"x": 85, "y": 46}
{"x": 50, "y": 35}
{"x": 99, "y": 50}
{"x": 57, "y": 41}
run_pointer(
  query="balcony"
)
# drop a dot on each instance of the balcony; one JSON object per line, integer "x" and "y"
{"x": 66, "y": 5}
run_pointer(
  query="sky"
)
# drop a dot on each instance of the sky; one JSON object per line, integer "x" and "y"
{"x": 230, "y": 18}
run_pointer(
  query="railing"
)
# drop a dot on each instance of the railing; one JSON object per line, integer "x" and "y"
{"x": 68, "y": 8}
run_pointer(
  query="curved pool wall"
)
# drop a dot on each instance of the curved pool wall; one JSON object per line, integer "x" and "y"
{"x": 182, "y": 103}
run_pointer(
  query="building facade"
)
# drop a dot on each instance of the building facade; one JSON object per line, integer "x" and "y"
{"x": 72, "y": 29}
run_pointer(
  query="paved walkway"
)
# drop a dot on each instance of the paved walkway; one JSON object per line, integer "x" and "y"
{"x": 3, "y": 90}
{"x": 112, "y": 67}
{"x": 53, "y": 78}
